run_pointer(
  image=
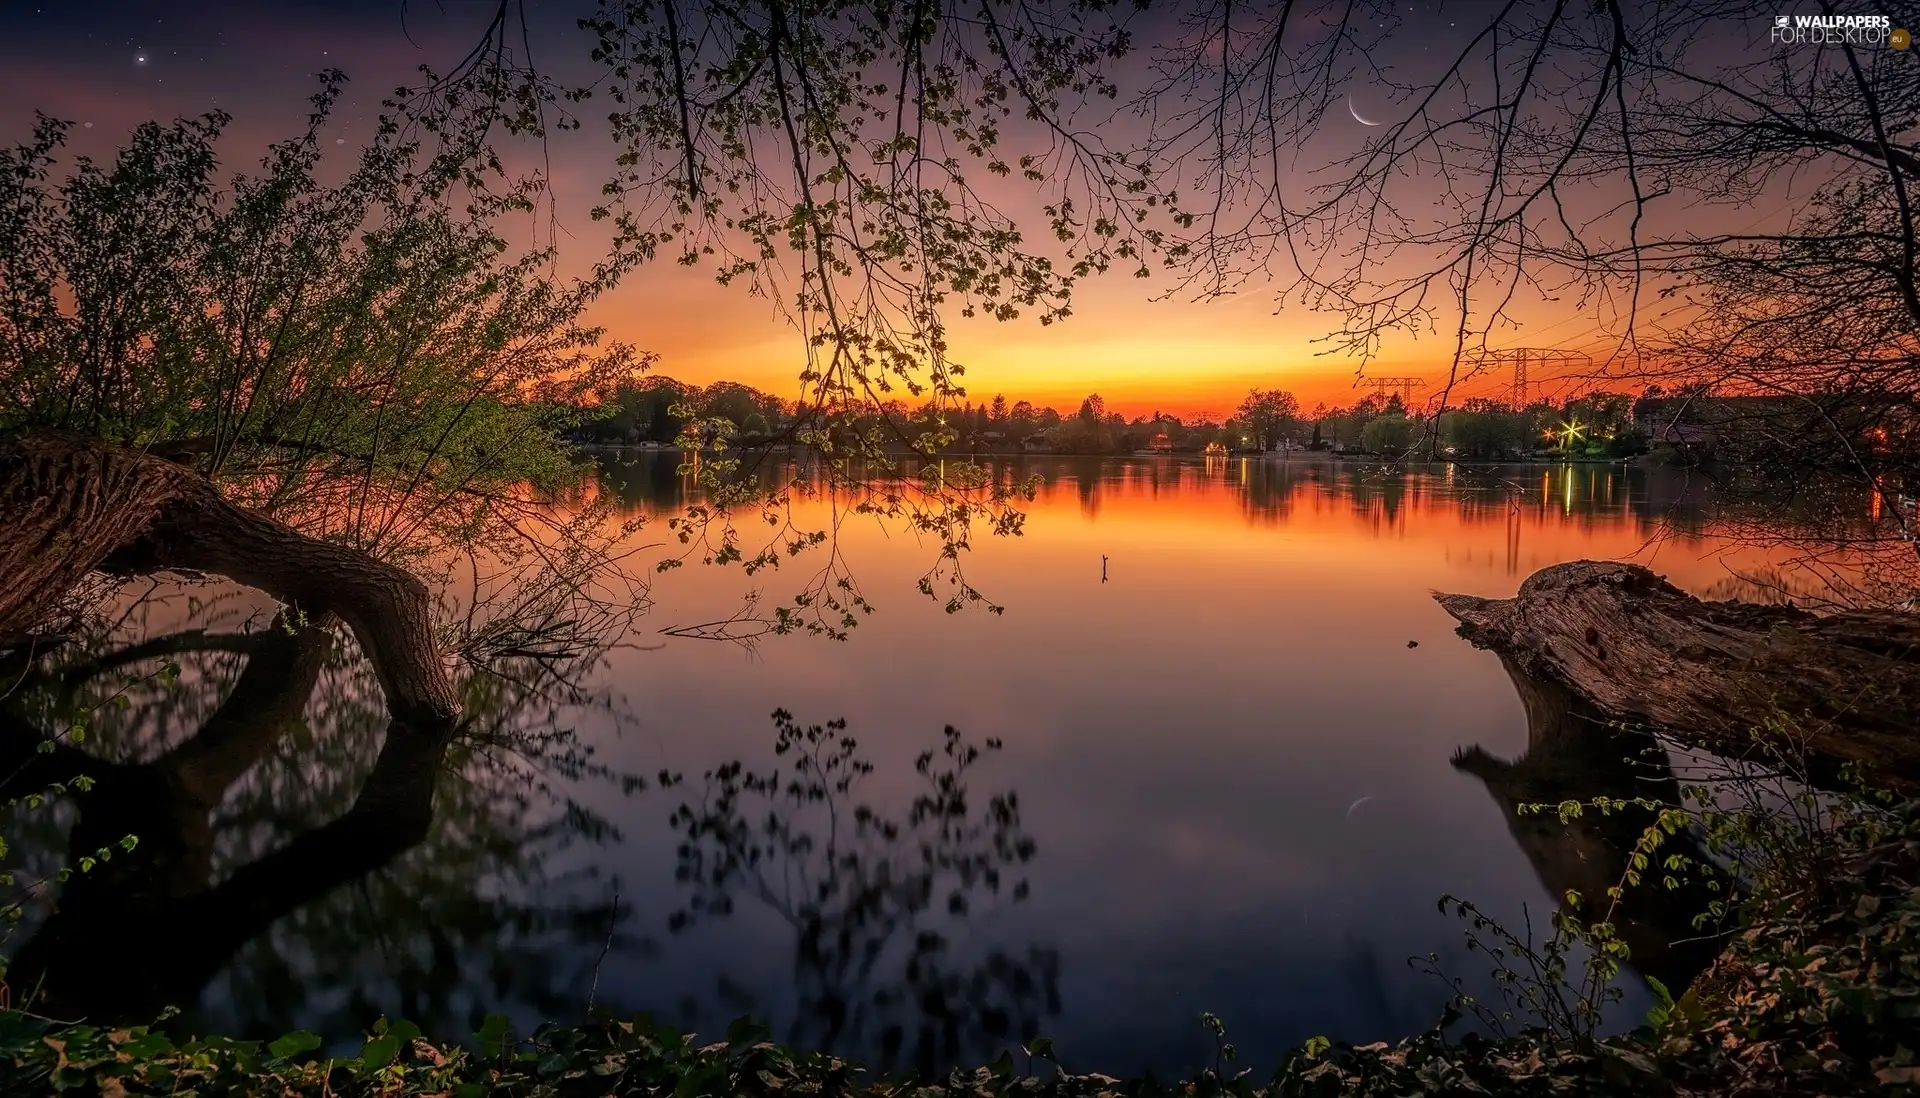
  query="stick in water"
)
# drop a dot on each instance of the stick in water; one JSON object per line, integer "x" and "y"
{"x": 613, "y": 920}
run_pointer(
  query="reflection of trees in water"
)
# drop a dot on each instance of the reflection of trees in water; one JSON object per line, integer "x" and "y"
{"x": 1826, "y": 543}
{"x": 1088, "y": 483}
{"x": 1270, "y": 490}
{"x": 1840, "y": 546}
{"x": 1379, "y": 495}
{"x": 293, "y": 852}
{"x": 1575, "y": 753}
{"x": 874, "y": 901}
{"x": 649, "y": 481}
{"x": 1656, "y": 501}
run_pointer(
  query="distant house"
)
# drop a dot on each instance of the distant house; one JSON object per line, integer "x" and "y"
{"x": 1036, "y": 443}
{"x": 1161, "y": 443}
{"x": 1703, "y": 422}
{"x": 1674, "y": 433}
{"x": 1679, "y": 422}
{"x": 1751, "y": 423}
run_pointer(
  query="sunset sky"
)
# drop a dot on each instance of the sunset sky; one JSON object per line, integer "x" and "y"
{"x": 108, "y": 68}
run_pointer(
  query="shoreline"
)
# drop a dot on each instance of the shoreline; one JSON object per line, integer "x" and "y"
{"x": 1322, "y": 457}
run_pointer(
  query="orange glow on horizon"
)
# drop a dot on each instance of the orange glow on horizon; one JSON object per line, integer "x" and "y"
{"x": 1140, "y": 346}
{"x": 1140, "y": 354}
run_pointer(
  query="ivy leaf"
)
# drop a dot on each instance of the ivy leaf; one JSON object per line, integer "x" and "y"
{"x": 379, "y": 1053}
{"x": 293, "y": 1044}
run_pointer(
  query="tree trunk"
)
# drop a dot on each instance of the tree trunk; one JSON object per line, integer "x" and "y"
{"x": 1738, "y": 679}
{"x": 72, "y": 505}
{"x": 64, "y": 506}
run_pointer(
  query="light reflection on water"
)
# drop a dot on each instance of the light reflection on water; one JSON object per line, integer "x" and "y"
{"x": 1231, "y": 777}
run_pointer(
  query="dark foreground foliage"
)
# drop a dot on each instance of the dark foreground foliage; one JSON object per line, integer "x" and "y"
{"x": 1818, "y": 994}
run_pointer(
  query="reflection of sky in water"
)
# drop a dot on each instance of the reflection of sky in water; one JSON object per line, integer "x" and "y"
{"x": 1185, "y": 741}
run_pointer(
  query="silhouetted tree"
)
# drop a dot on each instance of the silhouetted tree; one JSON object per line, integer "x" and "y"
{"x": 1269, "y": 416}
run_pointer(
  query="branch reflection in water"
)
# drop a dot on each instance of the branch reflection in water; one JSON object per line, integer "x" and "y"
{"x": 297, "y": 863}
{"x": 879, "y": 905}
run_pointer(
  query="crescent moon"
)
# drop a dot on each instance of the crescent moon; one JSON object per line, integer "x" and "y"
{"x": 1356, "y": 114}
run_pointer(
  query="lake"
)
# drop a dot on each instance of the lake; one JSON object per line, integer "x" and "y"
{"x": 1234, "y": 774}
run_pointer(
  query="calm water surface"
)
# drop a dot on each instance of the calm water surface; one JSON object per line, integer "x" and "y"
{"x": 1226, "y": 782}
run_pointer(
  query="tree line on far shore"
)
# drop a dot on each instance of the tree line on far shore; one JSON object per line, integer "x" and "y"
{"x": 662, "y": 410}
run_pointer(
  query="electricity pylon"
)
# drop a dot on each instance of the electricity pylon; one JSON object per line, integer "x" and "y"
{"x": 1520, "y": 358}
{"x": 1403, "y": 385}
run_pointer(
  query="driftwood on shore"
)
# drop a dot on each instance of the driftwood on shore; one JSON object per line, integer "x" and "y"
{"x": 1740, "y": 679}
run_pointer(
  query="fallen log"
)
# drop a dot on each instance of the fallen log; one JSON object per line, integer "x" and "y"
{"x": 1747, "y": 681}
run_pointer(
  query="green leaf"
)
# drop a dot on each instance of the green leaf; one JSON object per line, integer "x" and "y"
{"x": 293, "y": 1044}
{"x": 744, "y": 1031}
{"x": 147, "y": 1046}
{"x": 493, "y": 1035}
{"x": 402, "y": 1030}
{"x": 1663, "y": 1003}
{"x": 379, "y": 1053}
{"x": 19, "y": 1032}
